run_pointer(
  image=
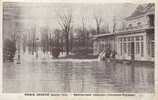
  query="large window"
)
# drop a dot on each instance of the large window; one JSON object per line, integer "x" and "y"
{"x": 125, "y": 45}
{"x": 121, "y": 45}
{"x": 137, "y": 48}
{"x": 152, "y": 48}
{"x": 129, "y": 50}
{"x": 142, "y": 49}
{"x": 125, "y": 48}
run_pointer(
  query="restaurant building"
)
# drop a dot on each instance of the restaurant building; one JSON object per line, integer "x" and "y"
{"x": 135, "y": 40}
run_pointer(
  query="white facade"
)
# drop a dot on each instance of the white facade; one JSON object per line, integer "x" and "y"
{"x": 139, "y": 30}
{"x": 135, "y": 40}
{"x": 140, "y": 46}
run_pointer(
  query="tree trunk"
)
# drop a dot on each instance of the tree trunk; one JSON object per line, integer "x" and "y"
{"x": 67, "y": 43}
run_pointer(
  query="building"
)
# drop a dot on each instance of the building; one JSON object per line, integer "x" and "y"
{"x": 135, "y": 40}
{"x": 103, "y": 42}
{"x": 11, "y": 24}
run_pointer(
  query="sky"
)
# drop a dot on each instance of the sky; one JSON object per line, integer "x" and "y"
{"x": 46, "y": 14}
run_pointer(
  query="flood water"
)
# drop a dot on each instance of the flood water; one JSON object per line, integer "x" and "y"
{"x": 68, "y": 76}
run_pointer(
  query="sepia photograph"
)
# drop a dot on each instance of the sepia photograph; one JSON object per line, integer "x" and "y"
{"x": 78, "y": 47}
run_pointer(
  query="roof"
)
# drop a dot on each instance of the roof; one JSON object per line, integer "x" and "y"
{"x": 141, "y": 10}
{"x": 134, "y": 30}
{"x": 102, "y": 35}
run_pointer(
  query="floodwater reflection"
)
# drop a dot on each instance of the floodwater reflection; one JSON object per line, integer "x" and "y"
{"x": 81, "y": 77}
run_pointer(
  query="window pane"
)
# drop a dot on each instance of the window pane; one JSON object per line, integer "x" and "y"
{"x": 152, "y": 49}
{"x": 141, "y": 37}
{"x": 142, "y": 49}
{"x": 129, "y": 48}
{"x": 137, "y": 48}
{"x": 128, "y": 38}
{"x": 137, "y": 38}
{"x": 121, "y": 48}
{"x": 125, "y": 50}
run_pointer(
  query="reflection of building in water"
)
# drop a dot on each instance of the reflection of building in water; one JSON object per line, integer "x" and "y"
{"x": 122, "y": 78}
{"x": 135, "y": 38}
{"x": 132, "y": 78}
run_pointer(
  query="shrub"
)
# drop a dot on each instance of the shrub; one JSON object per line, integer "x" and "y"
{"x": 55, "y": 52}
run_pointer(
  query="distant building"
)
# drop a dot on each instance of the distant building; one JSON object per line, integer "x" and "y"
{"x": 10, "y": 30}
{"x": 11, "y": 24}
{"x": 136, "y": 39}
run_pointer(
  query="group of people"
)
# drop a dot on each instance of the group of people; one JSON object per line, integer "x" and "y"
{"x": 107, "y": 54}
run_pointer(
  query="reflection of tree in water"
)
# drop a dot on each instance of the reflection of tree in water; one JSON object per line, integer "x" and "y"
{"x": 131, "y": 76}
{"x": 112, "y": 76}
{"x": 101, "y": 77}
{"x": 110, "y": 73}
{"x": 82, "y": 78}
{"x": 79, "y": 77}
{"x": 66, "y": 76}
{"x": 132, "y": 73}
{"x": 123, "y": 76}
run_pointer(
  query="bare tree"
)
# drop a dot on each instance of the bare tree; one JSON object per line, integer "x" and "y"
{"x": 114, "y": 24}
{"x": 107, "y": 28}
{"x": 114, "y": 30}
{"x": 99, "y": 22}
{"x": 84, "y": 31}
{"x": 45, "y": 39}
{"x": 24, "y": 40}
{"x": 65, "y": 22}
{"x": 83, "y": 23}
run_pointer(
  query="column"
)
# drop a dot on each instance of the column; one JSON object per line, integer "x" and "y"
{"x": 145, "y": 46}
